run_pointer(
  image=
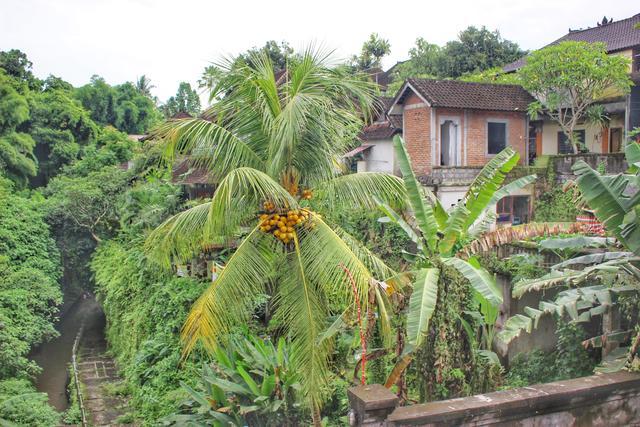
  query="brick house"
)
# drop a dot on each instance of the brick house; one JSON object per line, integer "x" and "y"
{"x": 453, "y": 128}
{"x": 621, "y": 38}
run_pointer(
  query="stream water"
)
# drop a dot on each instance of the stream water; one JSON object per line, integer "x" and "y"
{"x": 54, "y": 356}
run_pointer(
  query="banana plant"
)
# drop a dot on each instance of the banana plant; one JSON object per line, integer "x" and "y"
{"x": 441, "y": 235}
{"x": 595, "y": 280}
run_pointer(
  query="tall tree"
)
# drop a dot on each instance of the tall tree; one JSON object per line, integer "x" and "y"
{"x": 567, "y": 80}
{"x": 186, "y": 100}
{"x": 144, "y": 86}
{"x": 373, "y": 50}
{"x": 122, "y": 106}
{"x": 17, "y": 161}
{"x": 279, "y": 146}
{"x": 16, "y": 64}
{"x": 476, "y": 50}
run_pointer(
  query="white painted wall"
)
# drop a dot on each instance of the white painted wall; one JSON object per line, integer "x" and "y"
{"x": 593, "y": 137}
{"x": 380, "y": 157}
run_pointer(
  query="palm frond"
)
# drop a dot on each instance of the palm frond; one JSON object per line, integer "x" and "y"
{"x": 376, "y": 266}
{"x": 302, "y": 311}
{"x": 363, "y": 190}
{"x": 242, "y": 187}
{"x": 227, "y": 301}
{"x": 179, "y": 237}
{"x": 209, "y": 145}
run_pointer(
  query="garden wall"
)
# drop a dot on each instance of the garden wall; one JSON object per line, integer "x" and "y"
{"x": 599, "y": 400}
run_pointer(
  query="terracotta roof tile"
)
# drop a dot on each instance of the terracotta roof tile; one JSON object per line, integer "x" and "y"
{"x": 377, "y": 131}
{"x": 472, "y": 96}
{"x": 616, "y": 35}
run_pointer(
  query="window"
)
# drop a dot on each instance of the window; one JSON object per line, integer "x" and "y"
{"x": 564, "y": 146}
{"x": 497, "y": 137}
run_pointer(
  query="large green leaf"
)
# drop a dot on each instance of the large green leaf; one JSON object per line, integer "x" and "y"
{"x": 423, "y": 211}
{"x": 488, "y": 182}
{"x": 606, "y": 196}
{"x": 422, "y": 304}
{"x": 479, "y": 278}
{"x": 577, "y": 242}
{"x": 394, "y": 217}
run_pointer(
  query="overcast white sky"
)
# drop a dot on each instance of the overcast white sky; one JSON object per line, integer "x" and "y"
{"x": 172, "y": 41}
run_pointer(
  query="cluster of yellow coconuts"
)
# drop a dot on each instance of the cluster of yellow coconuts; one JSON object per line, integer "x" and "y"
{"x": 282, "y": 224}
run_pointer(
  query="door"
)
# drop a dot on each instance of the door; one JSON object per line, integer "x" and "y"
{"x": 449, "y": 144}
{"x": 615, "y": 140}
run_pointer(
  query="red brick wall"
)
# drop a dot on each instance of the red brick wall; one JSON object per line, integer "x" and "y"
{"x": 417, "y": 133}
{"x": 477, "y": 134}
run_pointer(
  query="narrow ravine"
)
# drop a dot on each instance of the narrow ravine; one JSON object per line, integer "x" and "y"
{"x": 54, "y": 356}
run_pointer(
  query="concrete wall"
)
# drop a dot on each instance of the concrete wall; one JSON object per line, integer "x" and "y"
{"x": 593, "y": 135}
{"x": 599, "y": 400}
{"x": 380, "y": 157}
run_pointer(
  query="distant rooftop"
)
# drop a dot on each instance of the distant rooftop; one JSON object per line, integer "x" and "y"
{"x": 617, "y": 35}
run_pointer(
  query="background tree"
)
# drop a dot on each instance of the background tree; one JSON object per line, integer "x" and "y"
{"x": 122, "y": 106}
{"x": 373, "y": 50}
{"x": 17, "y": 161}
{"x": 144, "y": 86}
{"x": 186, "y": 100}
{"x": 475, "y": 51}
{"x": 17, "y": 65}
{"x": 567, "y": 79}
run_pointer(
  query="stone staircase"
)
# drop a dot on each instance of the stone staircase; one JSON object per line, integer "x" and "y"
{"x": 97, "y": 371}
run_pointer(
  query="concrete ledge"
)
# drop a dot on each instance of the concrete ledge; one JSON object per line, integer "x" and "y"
{"x": 607, "y": 400}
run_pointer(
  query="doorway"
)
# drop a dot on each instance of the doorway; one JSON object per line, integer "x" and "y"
{"x": 449, "y": 143}
{"x": 615, "y": 140}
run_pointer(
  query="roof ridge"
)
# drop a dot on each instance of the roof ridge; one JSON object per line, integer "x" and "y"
{"x": 465, "y": 82}
{"x": 637, "y": 15}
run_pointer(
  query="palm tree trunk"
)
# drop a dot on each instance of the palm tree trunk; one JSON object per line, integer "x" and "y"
{"x": 316, "y": 418}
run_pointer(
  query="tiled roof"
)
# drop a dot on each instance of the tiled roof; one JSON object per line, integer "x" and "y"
{"x": 187, "y": 173}
{"x": 384, "y": 127}
{"x": 378, "y": 131}
{"x": 618, "y": 35}
{"x": 472, "y": 96}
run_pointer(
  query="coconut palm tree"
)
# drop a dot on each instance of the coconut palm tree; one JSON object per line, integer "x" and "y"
{"x": 272, "y": 144}
{"x": 144, "y": 86}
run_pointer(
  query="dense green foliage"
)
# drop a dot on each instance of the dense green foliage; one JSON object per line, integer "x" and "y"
{"x": 21, "y": 405}
{"x": 29, "y": 299}
{"x": 569, "y": 360}
{"x": 126, "y": 107}
{"x": 186, "y": 100}
{"x": 476, "y": 50}
{"x": 568, "y": 78}
{"x": 29, "y": 292}
{"x": 146, "y": 308}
